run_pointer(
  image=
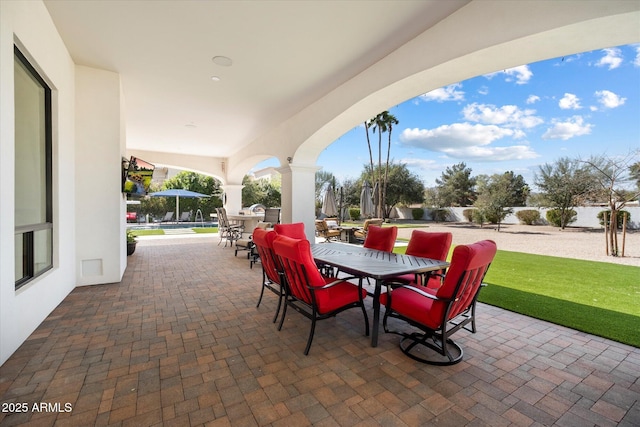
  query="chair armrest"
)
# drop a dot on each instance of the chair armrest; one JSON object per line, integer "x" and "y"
{"x": 422, "y": 293}
{"x": 332, "y": 284}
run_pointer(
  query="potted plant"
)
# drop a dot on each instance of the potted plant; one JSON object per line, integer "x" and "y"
{"x": 131, "y": 242}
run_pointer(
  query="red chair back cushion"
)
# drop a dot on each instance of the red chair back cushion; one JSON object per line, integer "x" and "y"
{"x": 382, "y": 239}
{"x": 469, "y": 264}
{"x": 298, "y": 265}
{"x": 263, "y": 240}
{"x": 429, "y": 245}
{"x": 295, "y": 230}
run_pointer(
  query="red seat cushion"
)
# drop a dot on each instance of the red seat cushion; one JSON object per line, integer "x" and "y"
{"x": 415, "y": 306}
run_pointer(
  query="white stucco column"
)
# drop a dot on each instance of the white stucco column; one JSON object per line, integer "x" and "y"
{"x": 232, "y": 199}
{"x": 298, "y": 195}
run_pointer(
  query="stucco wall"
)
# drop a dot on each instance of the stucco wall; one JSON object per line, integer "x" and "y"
{"x": 587, "y": 216}
{"x": 27, "y": 23}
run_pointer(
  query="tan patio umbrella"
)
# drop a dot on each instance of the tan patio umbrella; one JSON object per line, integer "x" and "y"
{"x": 366, "y": 201}
{"x": 329, "y": 206}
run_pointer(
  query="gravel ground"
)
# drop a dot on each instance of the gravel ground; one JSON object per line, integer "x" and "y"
{"x": 578, "y": 243}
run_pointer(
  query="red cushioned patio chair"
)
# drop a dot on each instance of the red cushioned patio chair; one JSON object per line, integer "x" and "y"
{"x": 295, "y": 230}
{"x": 272, "y": 276}
{"x": 427, "y": 244}
{"x": 381, "y": 238}
{"x": 441, "y": 315}
{"x": 310, "y": 293}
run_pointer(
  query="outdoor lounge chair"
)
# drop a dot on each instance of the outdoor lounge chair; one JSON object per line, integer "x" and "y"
{"x": 185, "y": 216}
{"x": 309, "y": 292}
{"x": 328, "y": 228}
{"x": 361, "y": 234}
{"x": 168, "y": 217}
{"x": 439, "y": 315}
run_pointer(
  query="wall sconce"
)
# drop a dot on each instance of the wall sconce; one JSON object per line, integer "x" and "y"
{"x": 289, "y": 160}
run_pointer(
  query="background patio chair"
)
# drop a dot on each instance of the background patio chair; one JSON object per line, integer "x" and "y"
{"x": 272, "y": 215}
{"x": 185, "y": 216}
{"x": 272, "y": 277}
{"x": 228, "y": 232}
{"x": 246, "y": 243}
{"x": 329, "y": 233}
{"x": 441, "y": 315}
{"x": 361, "y": 233}
{"x": 308, "y": 292}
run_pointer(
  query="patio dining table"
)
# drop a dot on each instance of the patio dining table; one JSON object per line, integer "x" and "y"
{"x": 377, "y": 265}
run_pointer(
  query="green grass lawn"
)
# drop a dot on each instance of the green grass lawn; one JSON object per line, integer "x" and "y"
{"x": 599, "y": 298}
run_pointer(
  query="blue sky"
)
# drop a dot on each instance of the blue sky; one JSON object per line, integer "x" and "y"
{"x": 517, "y": 119}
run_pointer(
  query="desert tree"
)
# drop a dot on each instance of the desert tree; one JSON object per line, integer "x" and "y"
{"x": 456, "y": 186}
{"x": 498, "y": 194}
{"x": 403, "y": 187}
{"x": 563, "y": 184}
{"x": 615, "y": 185}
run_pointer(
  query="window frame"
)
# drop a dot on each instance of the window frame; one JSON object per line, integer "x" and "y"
{"x": 28, "y": 231}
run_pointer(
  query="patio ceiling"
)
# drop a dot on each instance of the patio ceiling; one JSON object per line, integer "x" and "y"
{"x": 285, "y": 56}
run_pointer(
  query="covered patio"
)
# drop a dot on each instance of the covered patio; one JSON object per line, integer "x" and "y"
{"x": 179, "y": 341}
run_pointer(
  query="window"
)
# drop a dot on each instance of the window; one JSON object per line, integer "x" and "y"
{"x": 33, "y": 189}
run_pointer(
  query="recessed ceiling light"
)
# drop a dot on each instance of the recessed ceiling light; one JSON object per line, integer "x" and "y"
{"x": 222, "y": 60}
{"x": 215, "y": 78}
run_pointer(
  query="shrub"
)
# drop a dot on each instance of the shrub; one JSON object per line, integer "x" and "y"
{"x": 619, "y": 218}
{"x": 477, "y": 216}
{"x": 554, "y": 216}
{"x": 354, "y": 213}
{"x": 417, "y": 213}
{"x": 468, "y": 214}
{"x": 528, "y": 216}
{"x": 439, "y": 215}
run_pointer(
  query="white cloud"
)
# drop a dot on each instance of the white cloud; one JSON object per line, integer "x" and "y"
{"x": 447, "y": 93}
{"x": 636, "y": 61}
{"x": 612, "y": 58}
{"x": 609, "y": 99}
{"x": 424, "y": 164}
{"x": 532, "y": 99}
{"x": 570, "y": 102}
{"x": 507, "y": 115}
{"x": 522, "y": 74}
{"x": 468, "y": 141}
{"x": 572, "y": 127}
{"x": 484, "y": 90}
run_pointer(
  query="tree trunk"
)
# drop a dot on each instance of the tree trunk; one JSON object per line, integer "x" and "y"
{"x": 613, "y": 233}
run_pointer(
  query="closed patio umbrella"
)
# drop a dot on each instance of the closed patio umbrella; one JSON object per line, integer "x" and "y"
{"x": 177, "y": 193}
{"x": 329, "y": 207}
{"x": 376, "y": 199}
{"x": 366, "y": 201}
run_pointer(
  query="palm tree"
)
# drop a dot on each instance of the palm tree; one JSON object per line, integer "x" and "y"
{"x": 390, "y": 121}
{"x": 381, "y": 123}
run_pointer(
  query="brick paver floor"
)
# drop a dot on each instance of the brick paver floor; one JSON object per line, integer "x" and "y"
{"x": 179, "y": 341}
